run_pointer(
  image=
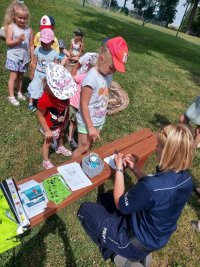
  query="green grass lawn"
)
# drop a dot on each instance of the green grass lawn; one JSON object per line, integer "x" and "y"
{"x": 162, "y": 79}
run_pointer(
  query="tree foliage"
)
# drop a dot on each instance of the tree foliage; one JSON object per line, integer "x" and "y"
{"x": 195, "y": 27}
{"x": 194, "y": 6}
{"x": 167, "y": 10}
{"x": 114, "y": 4}
{"x": 161, "y": 10}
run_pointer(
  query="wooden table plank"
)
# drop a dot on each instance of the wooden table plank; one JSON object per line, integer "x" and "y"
{"x": 141, "y": 143}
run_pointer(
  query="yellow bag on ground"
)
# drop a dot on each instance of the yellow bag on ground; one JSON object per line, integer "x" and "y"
{"x": 8, "y": 226}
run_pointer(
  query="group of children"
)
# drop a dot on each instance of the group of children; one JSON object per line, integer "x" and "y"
{"x": 58, "y": 95}
{"x": 82, "y": 97}
{"x": 92, "y": 74}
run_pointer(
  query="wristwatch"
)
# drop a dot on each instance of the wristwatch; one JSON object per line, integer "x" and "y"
{"x": 119, "y": 170}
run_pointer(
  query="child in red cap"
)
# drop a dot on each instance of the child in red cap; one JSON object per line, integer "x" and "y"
{"x": 95, "y": 93}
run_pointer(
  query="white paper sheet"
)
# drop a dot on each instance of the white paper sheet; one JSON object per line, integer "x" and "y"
{"x": 27, "y": 185}
{"x": 110, "y": 161}
{"x": 74, "y": 176}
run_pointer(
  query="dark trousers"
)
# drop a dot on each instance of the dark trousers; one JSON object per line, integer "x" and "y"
{"x": 108, "y": 229}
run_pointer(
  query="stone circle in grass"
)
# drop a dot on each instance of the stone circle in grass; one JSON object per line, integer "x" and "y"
{"x": 118, "y": 99}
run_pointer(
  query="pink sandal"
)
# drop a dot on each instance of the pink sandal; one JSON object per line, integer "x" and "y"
{"x": 62, "y": 150}
{"x": 47, "y": 164}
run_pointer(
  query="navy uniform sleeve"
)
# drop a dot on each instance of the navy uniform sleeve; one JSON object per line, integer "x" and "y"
{"x": 137, "y": 199}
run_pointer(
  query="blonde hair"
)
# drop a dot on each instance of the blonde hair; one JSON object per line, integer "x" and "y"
{"x": 178, "y": 147}
{"x": 12, "y": 10}
{"x": 106, "y": 55}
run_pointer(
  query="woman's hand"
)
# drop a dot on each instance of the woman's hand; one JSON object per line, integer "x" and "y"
{"x": 119, "y": 161}
{"x": 130, "y": 161}
{"x": 48, "y": 136}
{"x": 93, "y": 133}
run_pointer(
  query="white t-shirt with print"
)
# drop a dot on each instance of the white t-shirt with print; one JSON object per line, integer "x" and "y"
{"x": 99, "y": 98}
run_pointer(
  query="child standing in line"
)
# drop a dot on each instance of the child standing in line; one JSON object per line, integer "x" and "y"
{"x": 53, "y": 109}
{"x": 46, "y": 22}
{"x": 83, "y": 65}
{"x": 19, "y": 40}
{"x": 94, "y": 94}
{"x": 42, "y": 56}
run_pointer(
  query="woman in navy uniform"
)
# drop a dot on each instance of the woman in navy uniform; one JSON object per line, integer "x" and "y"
{"x": 129, "y": 225}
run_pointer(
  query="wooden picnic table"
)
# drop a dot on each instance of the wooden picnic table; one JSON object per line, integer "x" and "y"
{"x": 142, "y": 143}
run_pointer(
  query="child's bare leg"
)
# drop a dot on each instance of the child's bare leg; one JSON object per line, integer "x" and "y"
{"x": 30, "y": 101}
{"x": 60, "y": 141}
{"x": 183, "y": 119}
{"x": 84, "y": 143}
{"x": 72, "y": 128}
{"x": 65, "y": 61}
{"x": 19, "y": 80}
{"x": 11, "y": 83}
{"x": 45, "y": 150}
{"x": 61, "y": 149}
{"x": 74, "y": 58}
{"x": 197, "y": 137}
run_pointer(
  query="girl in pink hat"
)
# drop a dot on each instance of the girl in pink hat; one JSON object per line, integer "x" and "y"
{"x": 42, "y": 56}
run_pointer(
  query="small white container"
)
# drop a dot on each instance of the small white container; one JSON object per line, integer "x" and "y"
{"x": 87, "y": 166}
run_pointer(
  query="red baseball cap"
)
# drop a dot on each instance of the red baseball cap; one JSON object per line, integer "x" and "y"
{"x": 119, "y": 51}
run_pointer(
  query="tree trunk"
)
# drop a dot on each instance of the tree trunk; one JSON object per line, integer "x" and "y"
{"x": 191, "y": 17}
{"x": 125, "y": 3}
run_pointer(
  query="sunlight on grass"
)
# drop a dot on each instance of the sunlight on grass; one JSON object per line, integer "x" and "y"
{"x": 162, "y": 79}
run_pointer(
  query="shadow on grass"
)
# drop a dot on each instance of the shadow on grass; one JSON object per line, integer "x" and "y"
{"x": 159, "y": 120}
{"x": 34, "y": 251}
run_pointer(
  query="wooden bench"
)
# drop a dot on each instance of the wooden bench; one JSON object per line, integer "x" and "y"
{"x": 142, "y": 143}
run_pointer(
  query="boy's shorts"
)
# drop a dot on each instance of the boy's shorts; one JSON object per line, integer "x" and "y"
{"x": 72, "y": 113}
{"x": 16, "y": 66}
{"x": 83, "y": 129}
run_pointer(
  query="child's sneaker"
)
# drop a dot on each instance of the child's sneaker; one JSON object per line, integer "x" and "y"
{"x": 47, "y": 164}
{"x": 62, "y": 150}
{"x": 32, "y": 108}
{"x": 20, "y": 96}
{"x": 73, "y": 144}
{"x": 13, "y": 100}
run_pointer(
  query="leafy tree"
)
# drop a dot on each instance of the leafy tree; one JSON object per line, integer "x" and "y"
{"x": 145, "y": 7}
{"x": 192, "y": 14}
{"x": 167, "y": 10}
{"x": 114, "y": 4}
{"x": 195, "y": 28}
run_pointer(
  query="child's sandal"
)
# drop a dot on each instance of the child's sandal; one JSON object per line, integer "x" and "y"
{"x": 13, "y": 101}
{"x": 20, "y": 96}
{"x": 62, "y": 150}
{"x": 47, "y": 164}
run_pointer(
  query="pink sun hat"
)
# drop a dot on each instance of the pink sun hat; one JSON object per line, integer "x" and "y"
{"x": 60, "y": 81}
{"x": 46, "y": 36}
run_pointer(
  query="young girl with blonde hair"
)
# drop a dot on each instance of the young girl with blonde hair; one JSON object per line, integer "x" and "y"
{"x": 19, "y": 40}
{"x": 127, "y": 226}
{"x": 95, "y": 93}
